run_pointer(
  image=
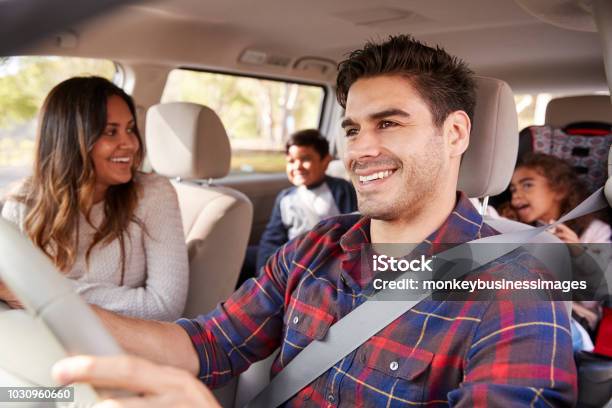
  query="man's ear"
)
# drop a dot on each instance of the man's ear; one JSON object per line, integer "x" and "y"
{"x": 457, "y": 128}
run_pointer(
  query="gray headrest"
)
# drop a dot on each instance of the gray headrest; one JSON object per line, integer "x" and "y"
{"x": 560, "y": 112}
{"x": 488, "y": 163}
{"x": 187, "y": 140}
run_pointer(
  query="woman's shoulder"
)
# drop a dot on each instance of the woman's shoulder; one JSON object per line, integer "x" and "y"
{"x": 155, "y": 190}
{"x": 17, "y": 189}
{"x": 152, "y": 183}
{"x": 14, "y": 208}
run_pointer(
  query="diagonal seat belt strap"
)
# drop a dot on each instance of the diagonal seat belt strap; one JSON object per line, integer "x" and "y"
{"x": 342, "y": 338}
{"x": 354, "y": 329}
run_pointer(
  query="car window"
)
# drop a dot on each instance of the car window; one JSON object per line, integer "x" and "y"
{"x": 258, "y": 114}
{"x": 531, "y": 108}
{"x": 24, "y": 83}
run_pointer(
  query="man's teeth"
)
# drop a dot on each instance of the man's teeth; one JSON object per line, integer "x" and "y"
{"x": 120, "y": 159}
{"x": 375, "y": 176}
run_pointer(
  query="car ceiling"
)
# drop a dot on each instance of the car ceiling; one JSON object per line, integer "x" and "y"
{"x": 496, "y": 37}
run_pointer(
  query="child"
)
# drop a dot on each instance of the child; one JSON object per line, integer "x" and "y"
{"x": 544, "y": 188}
{"x": 313, "y": 197}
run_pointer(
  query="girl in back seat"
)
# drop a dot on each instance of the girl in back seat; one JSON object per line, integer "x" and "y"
{"x": 544, "y": 188}
{"x": 115, "y": 232}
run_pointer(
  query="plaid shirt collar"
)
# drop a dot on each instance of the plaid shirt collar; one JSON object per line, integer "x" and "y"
{"x": 462, "y": 225}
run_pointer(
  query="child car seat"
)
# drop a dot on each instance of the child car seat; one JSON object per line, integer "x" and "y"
{"x": 584, "y": 145}
{"x": 577, "y": 129}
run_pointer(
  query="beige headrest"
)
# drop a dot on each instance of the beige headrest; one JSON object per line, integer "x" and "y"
{"x": 488, "y": 163}
{"x": 560, "y": 112}
{"x": 187, "y": 140}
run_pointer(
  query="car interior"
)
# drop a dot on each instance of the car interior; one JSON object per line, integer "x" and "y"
{"x": 538, "y": 62}
{"x": 187, "y": 142}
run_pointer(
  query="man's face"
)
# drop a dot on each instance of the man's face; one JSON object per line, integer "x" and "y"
{"x": 395, "y": 155}
{"x": 305, "y": 166}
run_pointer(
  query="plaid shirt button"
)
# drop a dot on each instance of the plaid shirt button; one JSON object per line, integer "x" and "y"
{"x": 296, "y": 320}
{"x": 331, "y": 398}
{"x": 393, "y": 366}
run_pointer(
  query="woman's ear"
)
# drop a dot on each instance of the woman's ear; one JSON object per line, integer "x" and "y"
{"x": 457, "y": 128}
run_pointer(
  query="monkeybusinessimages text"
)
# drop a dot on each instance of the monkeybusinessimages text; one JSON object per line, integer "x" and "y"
{"x": 384, "y": 263}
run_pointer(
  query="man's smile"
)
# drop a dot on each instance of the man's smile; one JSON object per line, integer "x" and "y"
{"x": 374, "y": 177}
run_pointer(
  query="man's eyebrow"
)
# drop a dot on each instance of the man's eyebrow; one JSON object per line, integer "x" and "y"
{"x": 347, "y": 122}
{"x": 377, "y": 115}
{"x": 525, "y": 179}
{"x": 389, "y": 112}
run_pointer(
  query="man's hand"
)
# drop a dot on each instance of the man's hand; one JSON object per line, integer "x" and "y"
{"x": 157, "y": 385}
{"x": 7, "y": 296}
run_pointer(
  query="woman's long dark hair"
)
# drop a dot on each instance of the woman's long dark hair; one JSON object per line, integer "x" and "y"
{"x": 72, "y": 119}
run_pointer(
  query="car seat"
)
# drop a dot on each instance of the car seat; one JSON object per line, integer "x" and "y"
{"x": 188, "y": 143}
{"x": 578, "y": 130}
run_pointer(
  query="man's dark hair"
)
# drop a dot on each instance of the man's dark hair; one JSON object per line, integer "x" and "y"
{"x": 309, "y": 137}
{"x": 444, "y": 82}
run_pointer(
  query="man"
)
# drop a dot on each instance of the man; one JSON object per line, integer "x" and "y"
{"x": 409, "y": 109}
{"x": 313, "y": 198}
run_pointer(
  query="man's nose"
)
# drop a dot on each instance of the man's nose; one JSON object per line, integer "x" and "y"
{"x": 365, "y": 144}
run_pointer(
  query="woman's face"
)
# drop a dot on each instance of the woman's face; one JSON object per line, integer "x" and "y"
{"x": 115, "y": 151}
{"x": 532, "y": 197}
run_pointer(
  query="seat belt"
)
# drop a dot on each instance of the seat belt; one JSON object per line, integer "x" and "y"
{"x": 367, "y": 319}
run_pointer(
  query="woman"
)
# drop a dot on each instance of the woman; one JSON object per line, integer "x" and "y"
{"x": 115, "y": 232}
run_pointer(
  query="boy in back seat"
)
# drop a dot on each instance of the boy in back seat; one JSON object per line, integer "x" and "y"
{"x": 313, "y": 197}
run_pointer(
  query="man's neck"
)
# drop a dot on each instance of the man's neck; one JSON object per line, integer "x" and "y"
{"x": 415, "y": 227}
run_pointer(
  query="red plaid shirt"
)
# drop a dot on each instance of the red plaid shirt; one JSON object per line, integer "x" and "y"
{"x": 470, "y": 353}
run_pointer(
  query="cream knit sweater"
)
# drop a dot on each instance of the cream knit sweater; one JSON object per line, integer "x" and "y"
{"x": 156, "y": 268}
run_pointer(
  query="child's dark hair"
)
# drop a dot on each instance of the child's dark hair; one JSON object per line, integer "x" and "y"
{"x": 563, "y": 179}
{"x": 309, "y": 137}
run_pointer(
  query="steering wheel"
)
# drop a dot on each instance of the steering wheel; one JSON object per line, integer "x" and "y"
{"x": 51, "y": 305}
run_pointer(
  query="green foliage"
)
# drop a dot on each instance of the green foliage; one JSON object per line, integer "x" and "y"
{"x": 257, "y": 113}
{"x": 257, "y": 161}
{"x": 25, "y": 82}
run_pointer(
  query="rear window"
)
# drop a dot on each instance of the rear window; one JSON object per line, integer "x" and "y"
{"x": 258, "y": 114}
{"x": 531, "y": 108}
{"x": 24, "y": 84}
